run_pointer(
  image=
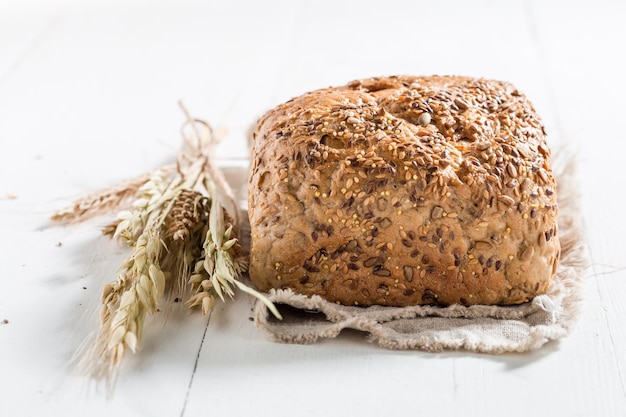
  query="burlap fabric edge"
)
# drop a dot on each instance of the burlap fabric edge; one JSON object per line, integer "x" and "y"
{"x": 480, "y": 328}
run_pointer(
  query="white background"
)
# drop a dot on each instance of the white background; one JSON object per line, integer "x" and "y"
{"x": 88, "y": 98}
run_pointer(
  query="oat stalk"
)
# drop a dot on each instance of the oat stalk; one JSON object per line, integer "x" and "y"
{"x": 139, "y": 289}
{"x": 224, "y": 271}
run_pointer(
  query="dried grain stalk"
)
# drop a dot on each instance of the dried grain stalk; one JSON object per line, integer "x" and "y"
{"x": 181, "y": 228}
{"x": 107, "y": 200}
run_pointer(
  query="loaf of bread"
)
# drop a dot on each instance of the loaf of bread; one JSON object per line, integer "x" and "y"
{"x": 402, "y": 191}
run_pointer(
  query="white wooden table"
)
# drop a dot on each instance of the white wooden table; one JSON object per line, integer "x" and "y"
{"x": 88, "y": 97}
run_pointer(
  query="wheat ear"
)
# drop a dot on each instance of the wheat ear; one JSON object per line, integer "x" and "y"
{"x": 106, "y": 200}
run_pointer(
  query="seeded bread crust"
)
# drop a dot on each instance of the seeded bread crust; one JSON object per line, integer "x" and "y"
{"x": 404, "y": 190}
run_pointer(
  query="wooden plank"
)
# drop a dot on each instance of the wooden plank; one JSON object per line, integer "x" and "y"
{"x": 103, "y": 81}
{"x": 582, "y": 74}
{"x": 23, "y": 27}
{"x": 69, "y": 121}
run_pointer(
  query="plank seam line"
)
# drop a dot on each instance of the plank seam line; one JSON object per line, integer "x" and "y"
{"x": 195, "y": 367}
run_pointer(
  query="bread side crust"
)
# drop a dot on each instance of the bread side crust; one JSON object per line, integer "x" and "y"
{"x": 402, "y": 191}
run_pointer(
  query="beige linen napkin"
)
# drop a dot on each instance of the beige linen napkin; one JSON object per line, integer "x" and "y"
{"x": 479, "y": 328}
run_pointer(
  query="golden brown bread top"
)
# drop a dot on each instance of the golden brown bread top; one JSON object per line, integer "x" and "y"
{"x": 404, "y": 190}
